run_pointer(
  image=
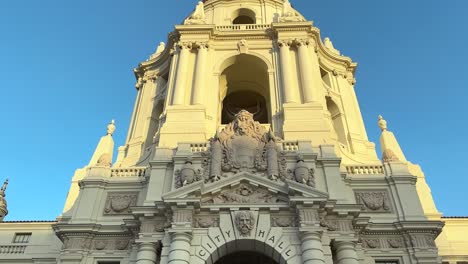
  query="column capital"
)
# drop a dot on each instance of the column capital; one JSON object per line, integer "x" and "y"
{"x": 301, "y": 42}
{"x": 201, "y": 45}
{"x": 285, "y": 43}
{"x": 185, "y": 45}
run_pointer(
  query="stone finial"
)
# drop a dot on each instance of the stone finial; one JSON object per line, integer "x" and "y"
{"x": 382, "y": 123}
{"x": 198, "y": 16}
{"x": 4, "y": 187}
{"x": 159, "y": 50}
{"x": 3, "y": 203}
{"x": 329, "y": 45}
{"x": 104, "y": 151}
{"x": 391, "y": 150}
{"x": 111, "y": 128}
{"x": 290, "y": 14}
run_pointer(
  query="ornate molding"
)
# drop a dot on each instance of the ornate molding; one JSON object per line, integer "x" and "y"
{"x": 120, "y": 203}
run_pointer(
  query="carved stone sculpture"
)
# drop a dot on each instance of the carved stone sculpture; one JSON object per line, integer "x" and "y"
{"x": 272, "y": 158}
{"x": 245, "y": 221}
{"x": 215, "y": 159}
{"x": 302, "y": 173}
{"x": 376, "y": 201}
{"x": 187, "y": 174}
{"x": 244, "y": 145}
{"x": 198, "y": 16}
{"x": 120, "y": 203}
{"x": 243, "y": 46}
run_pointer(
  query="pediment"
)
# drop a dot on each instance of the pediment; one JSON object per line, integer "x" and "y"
{"x": 245, "y": 189}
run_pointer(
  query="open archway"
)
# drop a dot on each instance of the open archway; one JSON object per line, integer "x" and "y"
{"x": 243, "y": 16}
{"x": 244, "y": 84}
{"x": 243, "y": 257}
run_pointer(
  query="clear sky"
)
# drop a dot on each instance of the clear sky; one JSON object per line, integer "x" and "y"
{"x": 66, "y": 71}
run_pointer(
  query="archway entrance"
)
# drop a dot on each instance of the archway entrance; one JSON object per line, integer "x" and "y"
{"x": 246, "y": 257}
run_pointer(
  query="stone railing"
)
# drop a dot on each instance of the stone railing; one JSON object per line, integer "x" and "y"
{"x": 12, "y": 249}
{"x": 128, "y": 172}
{"x": 198, "y": 147}
{"x": 362, "y": 170}
{"x": 290, "y": 146}
{"x": 243, "y": 27}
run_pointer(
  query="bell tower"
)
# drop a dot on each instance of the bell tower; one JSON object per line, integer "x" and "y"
{"x": 247, "y": 142}
{"x": 261, "y": 56}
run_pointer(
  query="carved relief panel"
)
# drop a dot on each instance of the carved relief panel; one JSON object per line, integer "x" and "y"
{"x": 120, "y": 203}
{"x": 376, "y": 201}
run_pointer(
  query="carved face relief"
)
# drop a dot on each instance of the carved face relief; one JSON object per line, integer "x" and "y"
{"x": 245, "y": 222}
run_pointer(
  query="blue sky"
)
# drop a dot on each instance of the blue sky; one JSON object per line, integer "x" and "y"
{"x": 66, "y": 71}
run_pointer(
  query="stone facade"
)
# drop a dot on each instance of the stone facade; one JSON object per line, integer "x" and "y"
{"x": 246, "y": 137}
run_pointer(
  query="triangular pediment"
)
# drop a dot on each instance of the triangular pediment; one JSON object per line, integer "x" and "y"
{"x": 245, "y": 189}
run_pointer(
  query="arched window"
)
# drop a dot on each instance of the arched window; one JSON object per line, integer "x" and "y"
{"x": 243, "y": 16}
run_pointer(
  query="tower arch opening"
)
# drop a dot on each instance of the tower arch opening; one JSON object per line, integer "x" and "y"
{"x": 244, "y": 84}
{"x": 243, "y": 16}
{"x": 337, "y": 121}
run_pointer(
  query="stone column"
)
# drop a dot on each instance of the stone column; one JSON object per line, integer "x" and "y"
{"x": 311, "y": 79}
{"x": 181, "y": 75}
{"x": 346, "y": 252}
{"x": 311, "y": 245}
{"x": 179, "y": 252}
{"x": 290, "y": 92}
{"x": 146, "y": 253}
{"x": 200, "y": 74}
{"x": 307, "y": 72}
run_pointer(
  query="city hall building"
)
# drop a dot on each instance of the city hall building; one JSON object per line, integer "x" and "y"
{"x": 246, "y": 145}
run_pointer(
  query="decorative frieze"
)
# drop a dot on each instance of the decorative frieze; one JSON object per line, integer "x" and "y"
{"x": 374, "y": 201}
{"x": 120, "y": 203}
{"x": 383, "y": 242}
{"x": 337, "y": 225}
{"x": 244, "y": 194}
{"x": 423, "y": 241}
{"x": 111, "y": 244}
